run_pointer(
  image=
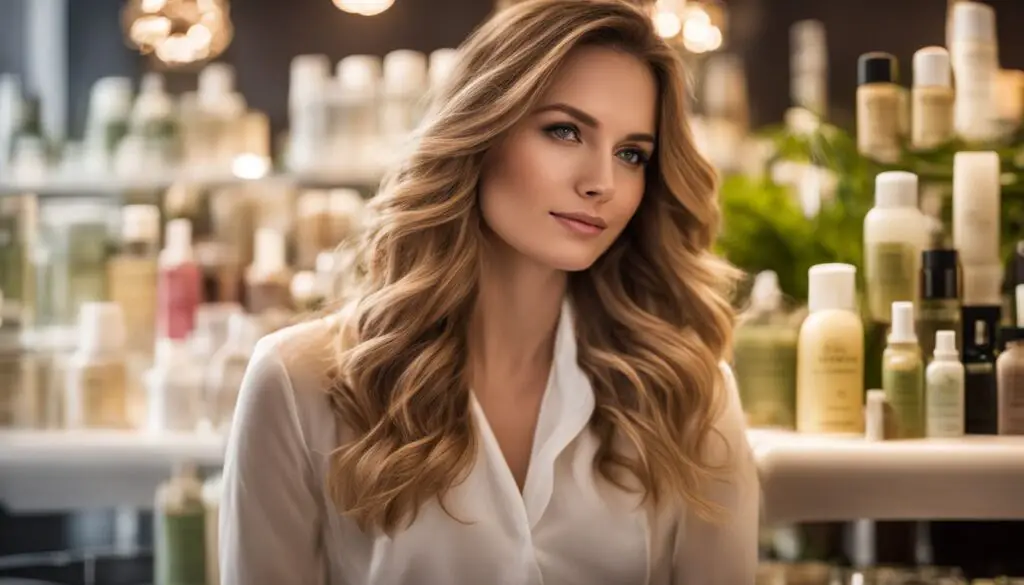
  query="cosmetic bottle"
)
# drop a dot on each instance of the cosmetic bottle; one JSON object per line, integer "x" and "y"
{"x": 268, "y": 279}
{"x": 895, "y": 233}
{"x": 932, "y": 98}
{"x": 903, "y": 373}
{"x": 877, "y": 417}
{"x": 1010, "y": 375}
{"x": 227, "y": 367}
{"x": 313, "y": 229}
{"x": 974, "y": 54}
{"x": 179, "y": 290}
{"x": 97, "y": 391}
{"x": 213, "y": 489}
{"x": 976, "y": 201}
{"x": 939, "y": 308}
{"x": 174, "y": 389}
{"x": 878, "y": 107}
{"x": 132, "y": 274}
{"x": 944, "y": 389}
{"x": 981, "y": 415}
{"x": 830, "y": 354}
{"x": 180, "y": 526}
{"x": 765, "y": 357}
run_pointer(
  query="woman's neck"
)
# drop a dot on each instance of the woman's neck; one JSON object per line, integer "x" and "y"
{"x": 516, "y": 315}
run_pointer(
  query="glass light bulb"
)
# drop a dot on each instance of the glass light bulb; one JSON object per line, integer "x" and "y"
{"x": 364, "y": 7}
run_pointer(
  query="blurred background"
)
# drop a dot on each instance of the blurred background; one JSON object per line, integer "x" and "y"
{"x": 180, "y": 177}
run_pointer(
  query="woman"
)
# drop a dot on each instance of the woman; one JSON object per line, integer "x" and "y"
{"x": 529, "y": 388}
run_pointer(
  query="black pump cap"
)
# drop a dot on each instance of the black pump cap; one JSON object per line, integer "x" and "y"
{"x": 940, "y": 274}
{"x": 877, "y": 67}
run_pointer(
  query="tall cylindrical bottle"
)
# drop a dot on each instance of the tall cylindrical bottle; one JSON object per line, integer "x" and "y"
{"x": 878, "y": 107}
{"x": 939, "y": 308}
{"x": 830, "y": 354}
{"x": 97, "y": 391}
{"x": 1010, "y": 375}
{"x": 132, "y": 274}
{"x": 180, "y": 283}
{"x": 895, "y": 233}
{"x": 903, "y": 374}
{"x": 974, "y": 52}
{"x": 932, "y": 98}
{"x": 180, "y": 523}
{"x": 944, "y": 389}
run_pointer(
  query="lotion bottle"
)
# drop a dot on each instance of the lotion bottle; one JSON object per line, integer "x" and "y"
{"x": 903, "y": 373}
{"x": 878, "y": 107}
{"x": 1010, "y": 375}
{"x": 932, "y": 98}
{"x": 974, "y": 53}
{"x": 179, "y": 289}
{"x": 944, "y": 389}
{"x": 830, "y": 354}
{"x": 895, "y": 233}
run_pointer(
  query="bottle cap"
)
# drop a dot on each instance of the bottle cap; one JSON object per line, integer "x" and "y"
{"x": 359, "y": 74}
{"x": 766, "y": 294}
{"x": 902, "y": 323}
{"x": 405, "y": 72}
{"x": 940, "y": 271}
{"x": 931, "y": 68}
{"x": 874, "y": 415}
{"x": 140, "y": 223}
{"x": 973, "y": 22}
{"x": 100, "y": 327}
{"x": 312, "y": 203}
{"x": 945, "y": 345}
{"x": 216, "y": 80}
{"x": 178, "y": 243}
{"x": 832, "y": 286}
{"x": 269, "y": 252}
{"x": 877, "y": 67}
{"x": 442, "y": 63}
{"x": 896, "y": 189}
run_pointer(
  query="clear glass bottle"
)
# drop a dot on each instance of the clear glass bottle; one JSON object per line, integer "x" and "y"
{"x": 97, "y": 390}
{"x": 227, "y": 367}
{"x": 132, "y": 275}
{"x": 70, "y": 260}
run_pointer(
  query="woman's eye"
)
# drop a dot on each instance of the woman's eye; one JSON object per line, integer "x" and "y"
{"x": 564, "y": 132}
{"x": 634, "y": 156}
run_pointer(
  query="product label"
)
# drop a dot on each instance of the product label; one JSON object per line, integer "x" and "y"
{"x": 933, "y": 118}
{"x": 132, "y": 285}
{"x": 98, "y": 397}
{"x": 830, "y": 386}
{"x": 944, "y": 402}
{"x": 904, "y": 391}
{"x": 765, "y": 368}
{"x": 878, "y": 123}
{"x": 891, "y": 272}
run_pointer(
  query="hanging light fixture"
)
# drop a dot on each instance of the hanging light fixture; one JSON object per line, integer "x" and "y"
{"x": 695, "y": 25}
{"x": 178, "y": 32}
{"x": 364, "y": 7}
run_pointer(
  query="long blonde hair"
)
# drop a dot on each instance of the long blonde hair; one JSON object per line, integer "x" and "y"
{"x": 658, "y": 319}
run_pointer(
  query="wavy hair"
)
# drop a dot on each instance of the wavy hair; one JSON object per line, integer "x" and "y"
{"x": 658, "y": 318}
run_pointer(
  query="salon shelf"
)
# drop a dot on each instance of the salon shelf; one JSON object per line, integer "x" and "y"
{"x": 156, "y": 183}
{"x": 818, "y": 478}
{"x": 61, "y": 470}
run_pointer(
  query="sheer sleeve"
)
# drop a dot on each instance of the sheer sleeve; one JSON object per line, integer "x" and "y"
{"x": 724, "y": 552}
{"x": 270, "y": 520}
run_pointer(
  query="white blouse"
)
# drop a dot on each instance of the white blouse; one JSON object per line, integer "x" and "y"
{"x": 567, "y": 527}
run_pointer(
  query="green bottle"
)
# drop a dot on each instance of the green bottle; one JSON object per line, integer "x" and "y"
{"x": 903, "y": 374}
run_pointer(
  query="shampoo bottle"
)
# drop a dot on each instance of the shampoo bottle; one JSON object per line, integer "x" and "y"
{"x": 878, "y": 107}
{"x": 939, "y": 309}
{"x": 903, "y": 374}
{"x": 932, "y": 98}
{"x": 895, "y": 233}
{"x": 179, "y": 289}
{"x": 1010, "y": 375}
{"x": 830, "y": 354}
{"x": 765, "y": 357}
{"x": 944, "y": 389}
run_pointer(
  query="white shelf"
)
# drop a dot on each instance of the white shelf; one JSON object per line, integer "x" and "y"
{"x": 105, "y": 186}
{"x": 819, "y": 478}
{"x": 61, "y": 470}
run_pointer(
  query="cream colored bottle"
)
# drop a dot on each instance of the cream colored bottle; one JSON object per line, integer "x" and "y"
{"x": 132, "y": 275}
{"x": 878, "y": 108}
{"x": 97, "y": 391}
{"x": 933, "y": 99}
{"x": 830, "y": 354}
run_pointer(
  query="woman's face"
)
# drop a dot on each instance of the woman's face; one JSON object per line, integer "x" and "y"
{"x": 565, "y": 181}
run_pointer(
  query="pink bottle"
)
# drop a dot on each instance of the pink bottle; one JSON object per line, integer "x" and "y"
{"x": 179, "y": 290}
